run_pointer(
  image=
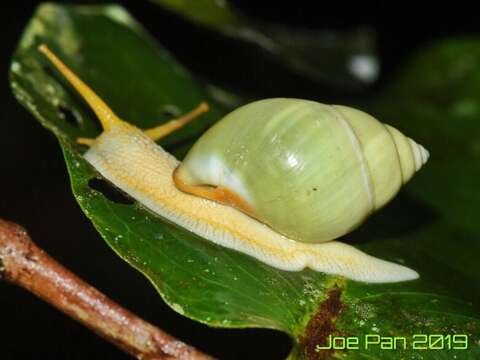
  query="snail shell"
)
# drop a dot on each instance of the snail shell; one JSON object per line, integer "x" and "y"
{"x": 312, "y": 172}
{"x": 351, "y": 186}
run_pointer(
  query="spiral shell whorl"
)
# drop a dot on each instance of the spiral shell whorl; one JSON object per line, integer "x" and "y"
{"x": 391, "y": 157}
{"x": 420, "y": 153}
{"x": 412, "y": 156}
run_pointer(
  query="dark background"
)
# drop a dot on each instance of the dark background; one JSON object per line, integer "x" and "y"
{"x": 35, "y": 188}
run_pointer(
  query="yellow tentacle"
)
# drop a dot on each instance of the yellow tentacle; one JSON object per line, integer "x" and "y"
{"x": 163, "y": 130}
{"x": 107, "y": 117}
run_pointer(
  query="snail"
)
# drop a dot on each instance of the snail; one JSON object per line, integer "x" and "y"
{"x": 277, "y": 179}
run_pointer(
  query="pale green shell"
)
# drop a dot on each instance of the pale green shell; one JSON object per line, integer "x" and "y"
{"x": 312, "y": 172}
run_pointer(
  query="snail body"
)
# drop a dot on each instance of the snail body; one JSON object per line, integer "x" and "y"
{"x": 210, "y": 195}
{"x": 312, "y": 172}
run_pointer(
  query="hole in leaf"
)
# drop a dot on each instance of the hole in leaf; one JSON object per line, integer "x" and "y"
{"x": 170, "y": 111}
{"x": 69, "y": 116}
{"x": 110, "y": 191}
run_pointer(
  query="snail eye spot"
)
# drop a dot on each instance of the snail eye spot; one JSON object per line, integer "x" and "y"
{"x": 111, "y": 192}
{"x": 69, "y": 116}
{"x": 314, "y": 189}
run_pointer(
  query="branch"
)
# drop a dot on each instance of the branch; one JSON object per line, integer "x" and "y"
{"x": 24, "y": 264}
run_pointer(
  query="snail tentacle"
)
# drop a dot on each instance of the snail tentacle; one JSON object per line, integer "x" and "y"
{"x": 105, "y": 115}
{"x": 163, "y": 130}
{"x": 85, "y": 141}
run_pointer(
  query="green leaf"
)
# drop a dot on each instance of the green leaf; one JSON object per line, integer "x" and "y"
{"x": 339, "y": 59}
{"x": 430, "y": 227}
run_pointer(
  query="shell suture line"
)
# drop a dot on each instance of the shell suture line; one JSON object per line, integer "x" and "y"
{"x": 357, "y": 147}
